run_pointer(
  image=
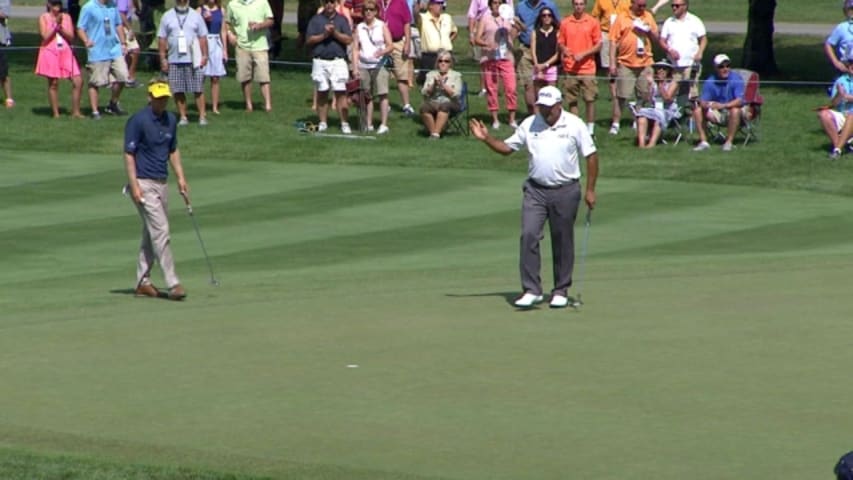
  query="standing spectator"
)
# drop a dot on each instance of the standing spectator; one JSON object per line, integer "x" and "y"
{"x": 476, "y": 10}
{"x": 277, "y": 8}
{"x": 180, "y": 29}
{"x": 217, "y": 48}
{"x": 839, "y": 44}
{"x": 580, "y": 41}
{"x": 250, "y": 20}
{"x": 526, "y": 14}
{"x": 56, "y": 60}
{"x": 495, "y": 35}
{"x": 101, "y": 30}
{"x": 606, "y": 12}
{"x": 306, "y": 9}
{"x": 398, "y": 18}
{"x": 683, "y": 39}
{"x": 5, "y": 41}
{"x": 437, "y": 32}
{"x": 720, "y": 103}
{"x": 355, "y": 11}
{"x": 663, "y": 106}
{"x": 555, "y": 140}
{"x": 125, "y": 11}
{"x": 150, "y": 12}
{"x": 441, "y": 90}
{"x": 371, "y": 47}
{"x": 146, "y": 159}
{"x": 631, "y": 56}
{"x": 835, "y": 120}
{"x": 328, "y": 35}
{"x": 543, "y": 47}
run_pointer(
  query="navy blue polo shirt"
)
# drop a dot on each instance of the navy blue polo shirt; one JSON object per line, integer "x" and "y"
{"x": 330, "y": 48}
{"x": 151, "y": 139}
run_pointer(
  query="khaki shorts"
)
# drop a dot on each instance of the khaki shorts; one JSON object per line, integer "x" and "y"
{"x": 402, "y": 63}
{"x": 253, "y": 65}
{"x": 524, "y": 66}
{"x": 604, "y": 54}
{"x": 721, "y": 117}
{"x": 375, "y": 81}
{"x": 633, "y": 82}
{"x": 102, "y": 74}
{"x": 688, "y": 75}
{"x": 580, "y": 86}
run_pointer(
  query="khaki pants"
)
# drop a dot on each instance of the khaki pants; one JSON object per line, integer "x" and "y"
{"x": 155, "y": 233}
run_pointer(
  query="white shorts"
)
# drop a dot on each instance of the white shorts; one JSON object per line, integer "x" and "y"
{"x": 839, "y": 118}
{"x": 330, "y": 74}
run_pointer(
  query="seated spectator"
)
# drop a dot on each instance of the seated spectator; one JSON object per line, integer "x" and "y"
{"x": 55, "y": 58}
{"x": 441, "y": 94}
{"x": 836, "y": 119}
{"x": 663, "y": 106}
{"x": 720, "y": 103}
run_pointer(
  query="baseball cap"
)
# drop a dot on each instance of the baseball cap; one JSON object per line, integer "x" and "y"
{"x": 721, "y": 59}
{"x": 159, "y": 90}
{"x": 549, "y": 96}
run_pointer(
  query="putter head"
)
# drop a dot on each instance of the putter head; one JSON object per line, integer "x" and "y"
{"x": 214, "y": 282}
{"x": 576, "y": 302}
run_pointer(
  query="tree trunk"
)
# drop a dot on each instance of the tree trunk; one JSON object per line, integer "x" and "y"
{"x": 758, "y": 47}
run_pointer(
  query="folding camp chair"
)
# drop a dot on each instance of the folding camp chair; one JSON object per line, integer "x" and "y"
{"x": 359, "y": 98}
{"x": 750, "y": 112}
{"x": 459, "y": 120}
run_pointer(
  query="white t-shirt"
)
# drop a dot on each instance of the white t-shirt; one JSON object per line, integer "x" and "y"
{"x": 371, "y": 39}
{"x": 683, "y": 35}
{"x": 554, "y": 158}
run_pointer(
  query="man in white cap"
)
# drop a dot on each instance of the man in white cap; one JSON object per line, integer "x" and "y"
{"x": 720, "y": 103}
{"x": 555, "y": 140}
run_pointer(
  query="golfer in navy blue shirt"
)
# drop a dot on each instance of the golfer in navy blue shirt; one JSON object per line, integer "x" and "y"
{"x": 150, "y": 144}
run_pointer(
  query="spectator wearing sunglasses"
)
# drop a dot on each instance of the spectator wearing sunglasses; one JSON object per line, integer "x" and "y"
{"x": 720, "y": 103}
{"x": 441, "y": 90}
{"x": 684, "y": 39}
{"x": 839, "y": 44}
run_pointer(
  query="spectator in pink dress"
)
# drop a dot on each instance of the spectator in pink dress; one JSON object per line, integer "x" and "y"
{"x": 495, "y": 35}
{"x": 55, "y": 59}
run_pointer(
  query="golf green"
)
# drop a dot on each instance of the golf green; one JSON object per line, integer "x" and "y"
{"x": 363, "y": 328}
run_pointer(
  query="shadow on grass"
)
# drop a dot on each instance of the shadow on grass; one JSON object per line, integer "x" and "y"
{"x": 162, "y": 295}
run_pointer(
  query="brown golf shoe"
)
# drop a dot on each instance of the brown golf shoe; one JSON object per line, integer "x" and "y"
{"x": 177, "y": 293}
{"x": 147, "y": 290}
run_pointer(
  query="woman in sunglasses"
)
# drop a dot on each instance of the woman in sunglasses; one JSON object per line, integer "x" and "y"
{"x": 441, "y": 94}
{"x": 543, "y": 47}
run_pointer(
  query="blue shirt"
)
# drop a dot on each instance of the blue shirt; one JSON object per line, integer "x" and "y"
{"x": 151, "y": 139}
{"x": 330, "y": 47}
{"x": 841, "y": 39}
{"x": 100, "y": 22}
{"x": 173, "y": 25}
{"x": 845, "y": 81}
{"x": 723, "y": 91}
{"x": 529, "y": 13}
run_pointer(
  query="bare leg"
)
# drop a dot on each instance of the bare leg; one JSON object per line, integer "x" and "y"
{"x": 384, "y": 107}
{"x": 441, "y": 121}
{"x": 734, "y": 123}
{"x": 342, "y": 107}
{"x": 181, "y": 103}
{"x": 699, "y": 118}
{"x": 214, "y": 94}
{"x": 76, "y": 92}
{"x": 642, "y": 129}
{"x": 265, "y": 92}
{"x": 323, "y": 106}
{"x": 247, "y": 95}
{"x": 200, "y": 105}
{"x": 429, "y": 123}
{"x": 655, "y": 135}
{"x": 116, "y": 91}
{"x": 828, "y": 123}
{"x": 53, "y": 95}
{"x": 93, "y": 98}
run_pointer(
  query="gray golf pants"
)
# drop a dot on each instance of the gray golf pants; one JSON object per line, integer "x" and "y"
{"x": 155, "y": 233}
{"x": 558, "y": 205}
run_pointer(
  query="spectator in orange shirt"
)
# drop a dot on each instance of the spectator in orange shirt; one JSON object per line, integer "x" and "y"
{"x": 606, "y": 11}
{"x": 631, "y": 56}
{"x": 579, "y": 40}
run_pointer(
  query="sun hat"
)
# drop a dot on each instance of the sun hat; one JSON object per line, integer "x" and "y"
{"x": 662, "y": 63}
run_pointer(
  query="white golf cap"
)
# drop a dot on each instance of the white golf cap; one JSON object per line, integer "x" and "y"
{"x": 721, "y": 58}
{"x": 549, "y": 96}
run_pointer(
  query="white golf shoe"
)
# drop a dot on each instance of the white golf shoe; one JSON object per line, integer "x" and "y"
{"x": 559, "y": 301}
{"x": 528, "y": 300}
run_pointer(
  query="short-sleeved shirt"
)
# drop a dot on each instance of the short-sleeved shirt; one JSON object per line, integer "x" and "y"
{"x": 172, "y": 24}
{"x": 683, "y": 35}
{"x": 125, "y": 7}
{"x": 100, "y": 22}
{"x": 528, "y": 13}
{"x": 330, "y": 48}
{"x": 722, "y": 91}
{"x": 554, "y": 151}
{"x": 151, "y": 139}
{"x": 841, "y": 39}
{"x": 579, "y": 35}
{"x": 845, "y": 81}
{"x": 240, "y": 13}
{"x": 435, "y": 33}
{"x": 606, "y": 11}
{"x": 622, "y": 33}
{"x": 397, "y": 15}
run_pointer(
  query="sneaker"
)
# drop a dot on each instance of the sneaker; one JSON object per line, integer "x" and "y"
{"x": 496, "y": 125}
{"x": 96, "y": 115}
{"x": 559, "y": 301}
{"x": 370, "y": 128}
{"x": 10, "y": 103}
{"x": 383, "y": 129}
{"x": 147, "y": 290}
{"x": 183, "y": 121}
{"x": 322, "y": 127}
{"x": 482, "y": 93}
{"x": 114, "y": 109}
{"x": 701, "y": 147}
{"x": 434, "y": 136}
{"x": 835, "y": 154}
{"x": 131, "y": 83}
{"x": 727, "y": 147}
{"x": 527, "y": 300}
{"x": 202, "y": 121}
{"x": 614, "y": 129}
{"x": 513, "y": 125}
{"x": 408, "y": 110}
{"x": 345, "y": 129}
{"x": 177, "y": 293}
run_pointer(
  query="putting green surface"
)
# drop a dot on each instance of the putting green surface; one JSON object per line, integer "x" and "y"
{"x": 363, "y": 329}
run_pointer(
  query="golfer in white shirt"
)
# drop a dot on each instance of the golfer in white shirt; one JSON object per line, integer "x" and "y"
{"x": 555, "y": 140}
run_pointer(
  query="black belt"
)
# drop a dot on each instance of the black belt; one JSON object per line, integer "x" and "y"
{"x": 551, "y": 187}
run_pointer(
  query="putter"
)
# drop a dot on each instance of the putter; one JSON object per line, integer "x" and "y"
{"x": 577, "y": 301}
{"x": 213, "y": 280}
